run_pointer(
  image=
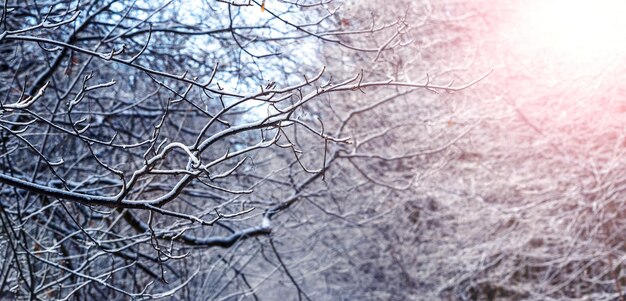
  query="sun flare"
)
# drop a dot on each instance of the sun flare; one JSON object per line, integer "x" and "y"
{"x": 585, "y": 30}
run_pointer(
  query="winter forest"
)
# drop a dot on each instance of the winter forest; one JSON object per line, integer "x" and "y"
{"x": 312, "y": 150}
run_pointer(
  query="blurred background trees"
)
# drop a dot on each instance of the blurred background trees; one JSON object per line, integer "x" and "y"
{"x": 253, "y": 150}
{"x": 525, "y": 205}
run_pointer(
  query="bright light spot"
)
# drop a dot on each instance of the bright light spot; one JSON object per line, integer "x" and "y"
{"x": 579, "y": 29}
{"x": 565, "y": 60}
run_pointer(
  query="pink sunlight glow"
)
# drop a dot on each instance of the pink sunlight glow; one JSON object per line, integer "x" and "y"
{"x": 583, "y": 28}
{"x": 577, "y": 31}
{"x": 566, "y": 60}
{"x": 567, "y": 40}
